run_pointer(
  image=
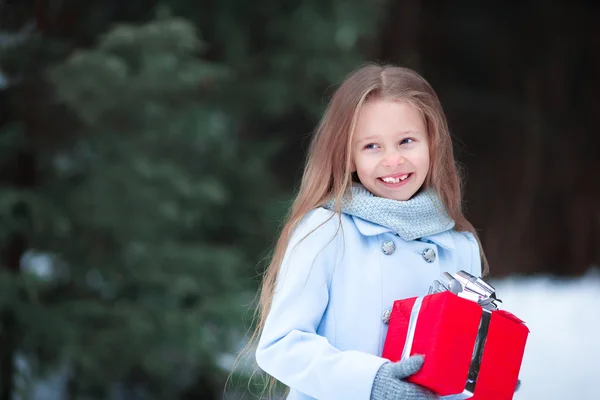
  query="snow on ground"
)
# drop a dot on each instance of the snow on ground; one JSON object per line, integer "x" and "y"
{"x": 562, "y": 357}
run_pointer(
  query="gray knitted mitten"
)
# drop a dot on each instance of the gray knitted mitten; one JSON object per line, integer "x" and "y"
{"x": 388, "y": 383}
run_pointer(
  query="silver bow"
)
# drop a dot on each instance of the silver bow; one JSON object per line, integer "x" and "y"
{"x": 468, "y": 287}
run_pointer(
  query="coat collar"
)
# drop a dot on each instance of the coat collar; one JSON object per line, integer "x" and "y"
{"x": 367, "y": 228}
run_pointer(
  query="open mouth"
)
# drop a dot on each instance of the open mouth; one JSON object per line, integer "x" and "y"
{"x": 395, "y": 180}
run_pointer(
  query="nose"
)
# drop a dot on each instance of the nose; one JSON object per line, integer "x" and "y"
{"x": 393, "y": 159}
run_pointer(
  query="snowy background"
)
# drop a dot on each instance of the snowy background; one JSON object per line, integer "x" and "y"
{"x": 562, "y": 357}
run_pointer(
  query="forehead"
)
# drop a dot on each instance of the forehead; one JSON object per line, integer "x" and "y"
{"x": 380, "y": 117}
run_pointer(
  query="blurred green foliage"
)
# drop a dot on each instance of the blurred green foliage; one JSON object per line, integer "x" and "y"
{"x": 135, "y": 198}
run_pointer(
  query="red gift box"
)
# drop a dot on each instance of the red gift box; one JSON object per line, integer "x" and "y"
{"x": 470, "y": 352}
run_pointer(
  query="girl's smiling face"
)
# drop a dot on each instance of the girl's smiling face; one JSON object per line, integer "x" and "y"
{"x": 389, "y": 149}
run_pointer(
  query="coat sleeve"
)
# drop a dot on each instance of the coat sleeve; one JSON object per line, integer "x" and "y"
{"x": 289, "y": 348}
{"x": 475, "y": 255}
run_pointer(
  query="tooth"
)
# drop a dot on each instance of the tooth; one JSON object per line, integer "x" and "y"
{"x": 394, "y": 180}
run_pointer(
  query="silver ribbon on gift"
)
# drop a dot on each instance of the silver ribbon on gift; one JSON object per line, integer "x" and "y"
{"x": 471, "y": 288}
{"x": 468, "y": 287}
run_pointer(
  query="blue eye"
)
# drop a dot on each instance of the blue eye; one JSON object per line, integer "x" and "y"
{"x": 371, "y": 146}
{"x": 403, "y": 141}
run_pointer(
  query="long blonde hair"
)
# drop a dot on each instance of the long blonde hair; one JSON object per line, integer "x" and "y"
{"x": 328, "y": 171}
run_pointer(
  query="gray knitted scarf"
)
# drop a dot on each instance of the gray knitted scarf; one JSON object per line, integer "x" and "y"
{"x": 422, "y": 215}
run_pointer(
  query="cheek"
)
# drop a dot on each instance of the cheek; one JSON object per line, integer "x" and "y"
{"x": 422, "y": 164}
{"x": 424, "y": 160}
{"x": 365, "y": 165}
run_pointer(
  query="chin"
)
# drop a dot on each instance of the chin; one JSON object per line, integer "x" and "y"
{"x": 398, "y": 194}
{"x": 402, "y": 198}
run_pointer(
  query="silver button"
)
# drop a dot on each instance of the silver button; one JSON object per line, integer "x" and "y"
{"x": 385, "y": 318}
{"x": 429, "y": 255}
{"x": 388, "y": 247}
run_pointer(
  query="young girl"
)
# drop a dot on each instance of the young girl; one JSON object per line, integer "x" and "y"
{"x": 377, "y": 219}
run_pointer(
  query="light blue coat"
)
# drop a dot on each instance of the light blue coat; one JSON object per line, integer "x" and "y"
{"x": 324, "y": 334}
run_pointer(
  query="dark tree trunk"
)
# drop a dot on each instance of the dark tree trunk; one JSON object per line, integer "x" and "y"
{"x": 519, "y": 87}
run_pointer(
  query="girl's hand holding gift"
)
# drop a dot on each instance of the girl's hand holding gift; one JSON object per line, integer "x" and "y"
{"x": 389, "y": 384}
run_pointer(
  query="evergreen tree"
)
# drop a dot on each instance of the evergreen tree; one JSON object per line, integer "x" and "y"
{"x": 149, "y": 219}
